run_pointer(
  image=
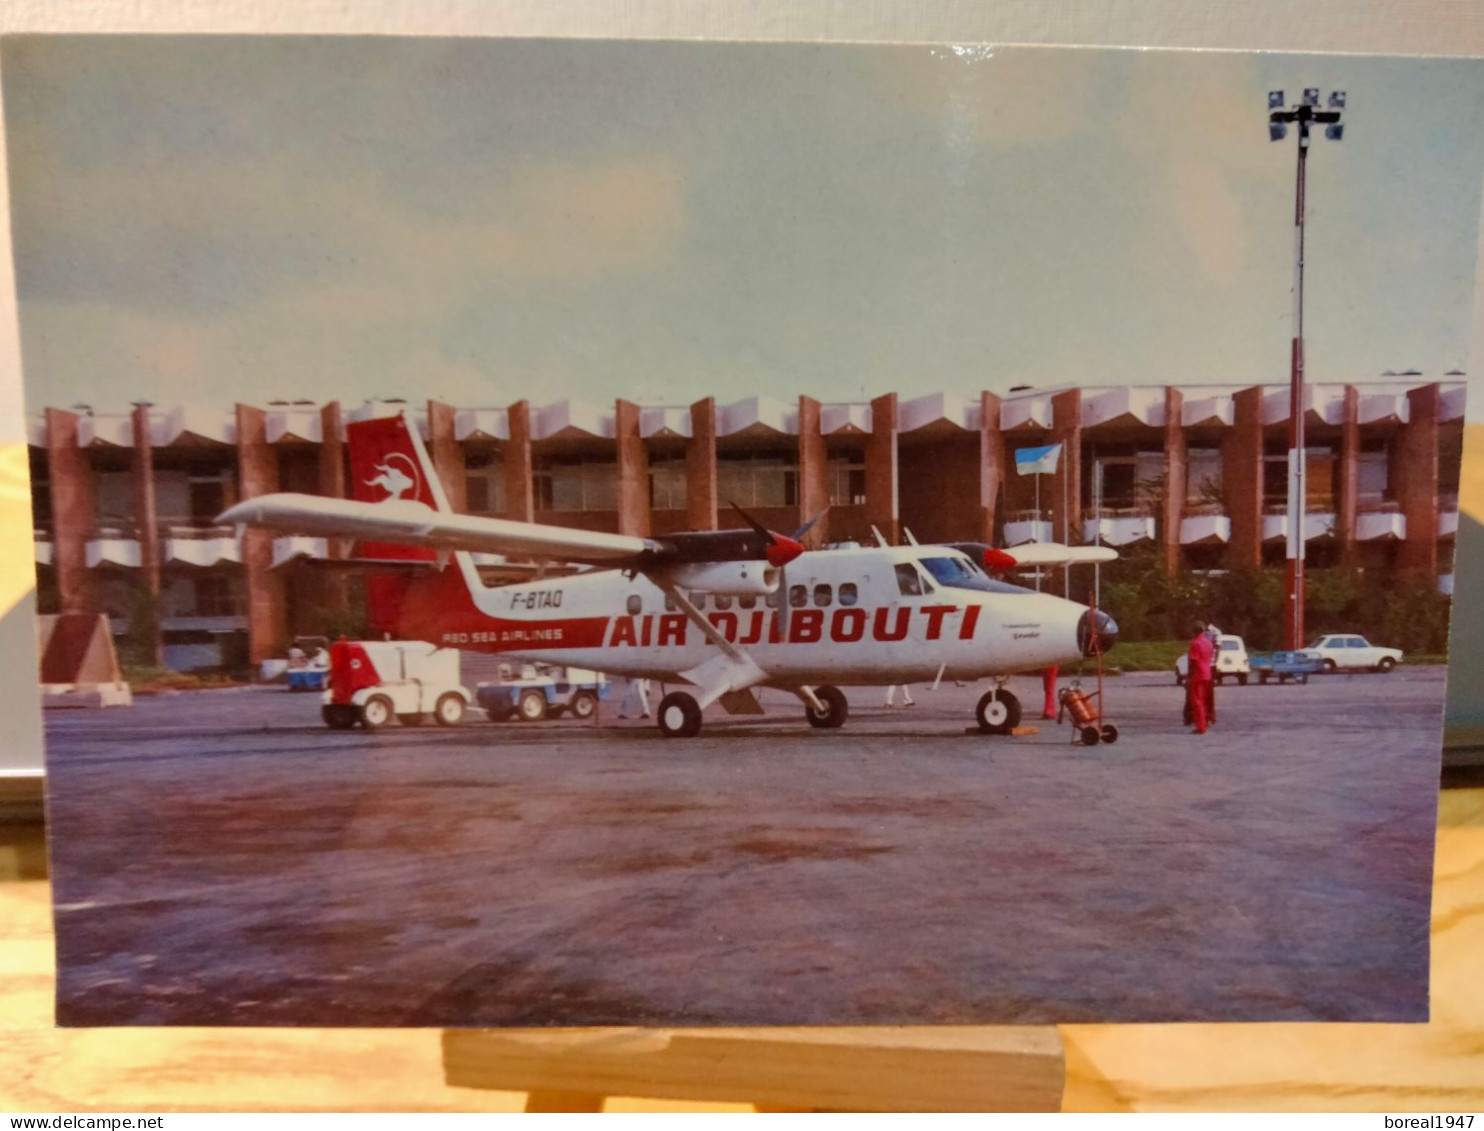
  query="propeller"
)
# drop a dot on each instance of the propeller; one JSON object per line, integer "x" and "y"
{"x": 780, "y": 549}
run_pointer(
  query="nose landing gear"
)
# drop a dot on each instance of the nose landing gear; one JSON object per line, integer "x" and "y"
{"x": 998, "y": 712}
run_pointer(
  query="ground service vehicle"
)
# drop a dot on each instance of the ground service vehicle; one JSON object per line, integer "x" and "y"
{"x": 722, "y": 612}
{"x": 1285, "y": 666}
{"x": 373, "y": 682}
{"x": 539, "y": 694}
{"x": 1343, "y": 652}
{"x": 1231, "y": 660}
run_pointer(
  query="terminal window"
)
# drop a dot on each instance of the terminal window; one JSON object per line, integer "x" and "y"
{"x": 573, "y": 483}
{"x": 758, "y": 479}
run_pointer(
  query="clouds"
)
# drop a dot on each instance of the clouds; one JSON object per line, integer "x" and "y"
{"x": 246, "y": 218}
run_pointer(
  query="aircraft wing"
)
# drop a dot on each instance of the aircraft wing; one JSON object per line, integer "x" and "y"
{"x": 408, "y": 523}
{"x": 1056, "y": 554}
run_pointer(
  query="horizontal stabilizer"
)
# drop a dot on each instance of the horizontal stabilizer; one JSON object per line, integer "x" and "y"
{"x": 408, "y": 523}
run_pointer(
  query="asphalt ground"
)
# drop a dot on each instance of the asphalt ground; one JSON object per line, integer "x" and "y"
{"x": 221, "y": 858}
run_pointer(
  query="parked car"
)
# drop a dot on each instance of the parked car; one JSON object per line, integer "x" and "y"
{"x": 1283, "y": 666}
{"x": 1340, "y": 652}
{"x": 1231, "y": 660}
{"x": 541, "y": 692}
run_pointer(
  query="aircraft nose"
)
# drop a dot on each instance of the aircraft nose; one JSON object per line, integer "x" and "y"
{"x": 1097, "y": 632}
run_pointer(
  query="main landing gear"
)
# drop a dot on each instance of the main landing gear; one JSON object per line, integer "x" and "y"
{"x": 835, "y": 708}
{"x": 679, "y": 715}
{"x": 998, "y": 712}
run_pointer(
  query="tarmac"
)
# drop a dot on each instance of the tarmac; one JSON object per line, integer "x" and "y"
{"x": 221, "y": 858}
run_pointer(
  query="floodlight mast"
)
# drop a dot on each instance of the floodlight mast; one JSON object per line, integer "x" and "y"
{"x": 1303, "y": 115}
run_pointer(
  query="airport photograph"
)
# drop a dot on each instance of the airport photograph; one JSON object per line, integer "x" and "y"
{"x": 591, "y": 533}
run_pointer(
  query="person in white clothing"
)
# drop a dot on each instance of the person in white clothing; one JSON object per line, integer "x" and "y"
{"x": 891, "y": 695}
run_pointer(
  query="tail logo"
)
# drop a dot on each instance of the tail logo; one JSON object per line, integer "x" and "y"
{"x": 397, "y": 484}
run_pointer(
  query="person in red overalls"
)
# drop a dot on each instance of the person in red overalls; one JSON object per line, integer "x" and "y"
{"x": 1199, "y": 675}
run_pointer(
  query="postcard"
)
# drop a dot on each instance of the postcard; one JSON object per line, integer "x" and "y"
{"x": 546, "y": 533}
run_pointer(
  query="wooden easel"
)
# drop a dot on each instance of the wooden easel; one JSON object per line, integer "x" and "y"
{"x": 909, "y": 1068}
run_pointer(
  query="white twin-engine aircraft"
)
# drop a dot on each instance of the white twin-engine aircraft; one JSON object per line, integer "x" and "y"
{"x": 723, "y": 611}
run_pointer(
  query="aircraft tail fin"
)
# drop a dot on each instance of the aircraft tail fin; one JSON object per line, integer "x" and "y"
{"x": 389, "y": 462}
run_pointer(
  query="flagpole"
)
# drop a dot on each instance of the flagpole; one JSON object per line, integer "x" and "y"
{"x": 1038, "y": 525}
{"x": 1066, "y": 524}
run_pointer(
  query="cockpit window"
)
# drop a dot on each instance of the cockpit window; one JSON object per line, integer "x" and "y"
{"x": 909, "y": 581}
{"x": 960, "y": 573}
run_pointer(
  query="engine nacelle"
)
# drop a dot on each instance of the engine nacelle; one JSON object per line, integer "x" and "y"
{"x": 733, "y": 579}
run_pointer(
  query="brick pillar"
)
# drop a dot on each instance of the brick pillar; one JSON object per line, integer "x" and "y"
{"x": 1414, "y": 478}
{"x": 147, "y": 521}
{"x": 991, "y": 465}
{"x": 520, "y": 500}
{"x": 633, "y": 471}
{"x": 448, "y": 455}
{"x": 881, "y": 468}
{"x": 257, "y": 474}
{"x": 1347, "y": 473}
{"x": 335, "y": 589}
{"x": 1066, "y": 484}
{"x": 700, "y": 467}
{"x": 1177, "y": 476}
{"x": 74, "y": 513}
{"x": 1241, "y": 479}
{"x": 814, "y": 471}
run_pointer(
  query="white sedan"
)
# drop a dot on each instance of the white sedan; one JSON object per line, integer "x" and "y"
{"x": 1231, "y": 660}
{"x": 1340, "y": 652}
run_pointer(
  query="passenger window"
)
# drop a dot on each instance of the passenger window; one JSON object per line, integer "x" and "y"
{"x": 635, "y": 604}
{"x": 848, "y": 593}
{"x": 723, "y": 601}
{"x": 823, "y": 595}
{"x": 669, "y": 603}
{"x": 697, "y": 599}
{"x": 909, "y": 581}
{"x": 747, "y": 602}
{"x": 798, "y": 596}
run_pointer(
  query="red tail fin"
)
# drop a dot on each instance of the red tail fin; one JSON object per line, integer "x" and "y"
{"x": 388, "y": 462}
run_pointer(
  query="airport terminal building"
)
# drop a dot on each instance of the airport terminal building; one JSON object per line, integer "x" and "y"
{"x": 1198, "y": 474}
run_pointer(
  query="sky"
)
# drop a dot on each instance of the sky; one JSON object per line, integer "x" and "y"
{"x": 206, "y": 220}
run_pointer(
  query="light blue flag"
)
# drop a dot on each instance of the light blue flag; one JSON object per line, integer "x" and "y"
{"x": 1037, "y": 461}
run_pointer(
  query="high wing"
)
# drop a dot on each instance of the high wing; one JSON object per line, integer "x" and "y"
{"x": 409, "y": 523}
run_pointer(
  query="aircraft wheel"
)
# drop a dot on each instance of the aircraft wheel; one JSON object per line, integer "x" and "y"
{"x": 583, "y": 704}
{"x": 998, "y": 712}
{"x": 337, "y": 716}
{"x": 1090, "y": 736}
{"x": 376, "y": 713}
{"x": 415, "y": 719}
{"x": 679, "y": 715}
{"x": 1109, "y": 733}
{"x": 835, "y": 708}
{"x": 532, "y": 706}
{"x": 449, "y": 710}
